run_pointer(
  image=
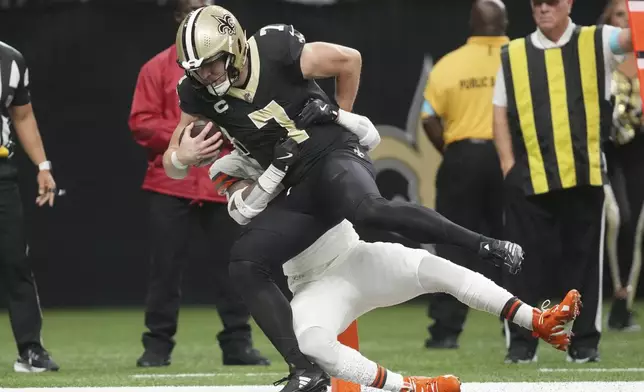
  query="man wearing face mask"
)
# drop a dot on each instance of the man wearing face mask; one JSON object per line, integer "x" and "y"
{"x": 552, "y": 113}
{"x": 178, "y": 210}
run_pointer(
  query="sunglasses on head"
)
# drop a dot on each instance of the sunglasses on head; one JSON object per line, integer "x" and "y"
{"x": 548, "y": 2}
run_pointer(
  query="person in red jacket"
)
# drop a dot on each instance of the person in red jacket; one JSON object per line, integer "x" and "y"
{"x": 177, "y": 209}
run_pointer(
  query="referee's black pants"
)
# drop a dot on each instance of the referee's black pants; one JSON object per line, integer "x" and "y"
{"x": 561, "y": 233}
{"x": 177, "y": 226}
{"x": 15, "y": 269}
{"x": 469, "y": 187}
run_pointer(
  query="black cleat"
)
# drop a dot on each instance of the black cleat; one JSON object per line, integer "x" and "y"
{"x": 503, "y": 253}
{"x": 152, "y": 359}
{"x": 449, "y": 342}
{"x": 245, "y": 356}
{"x": 621, "y": 318}
{"x": 521, "y": 354}
{"x": 583, "y": 355}
{"x": 35, "y": 359}
{"x": 313, "y": 379}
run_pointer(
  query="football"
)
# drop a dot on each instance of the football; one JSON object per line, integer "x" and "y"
{"x": 197, "y": 128}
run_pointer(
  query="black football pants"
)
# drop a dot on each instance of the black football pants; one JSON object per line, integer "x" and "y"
{"x": 561, "y": 233}
{"x": 177, "y": 225}
{"x": 17, "y": 277}
{"x": 469, "y": 192}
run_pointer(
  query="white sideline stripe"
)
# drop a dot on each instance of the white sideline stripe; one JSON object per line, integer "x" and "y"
{"x": 592, "y": 370}
{"x": 466, "y": 387}
{"x": 188, "y": 375}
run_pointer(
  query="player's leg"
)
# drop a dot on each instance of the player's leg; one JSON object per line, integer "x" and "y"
{"x": 347, "y": 183}
{"x": 218, "y": 234}
{"x": 325, "y": 307}
{"x": 386, "y": 274}
{"x": 436, "y": 274}
{"x": 169, "y": 219}
{"x": 271, "y": 239}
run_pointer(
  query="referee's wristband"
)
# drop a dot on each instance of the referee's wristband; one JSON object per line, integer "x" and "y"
{"x": 176, "y": 163}
{"x": 46, "y": 165}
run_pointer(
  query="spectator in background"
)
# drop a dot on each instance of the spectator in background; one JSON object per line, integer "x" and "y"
{"x": 178, "y": 210}
{"x": 17, "y": 118}
{"x": 625, "y": 193}
{"x": 457, "y": 118}
{"x": 551, "y": 114}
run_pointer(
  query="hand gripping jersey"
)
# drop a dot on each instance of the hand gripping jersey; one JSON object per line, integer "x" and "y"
{"x": 261, "y": 112}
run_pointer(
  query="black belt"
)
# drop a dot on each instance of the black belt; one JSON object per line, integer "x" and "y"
{"x": 471, "y": 141}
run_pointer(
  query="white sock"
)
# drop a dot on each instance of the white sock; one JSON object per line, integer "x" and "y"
{"x": 436, "y": 274}
{"x": 523, "y": 317}
{"x": 345, "y": 363}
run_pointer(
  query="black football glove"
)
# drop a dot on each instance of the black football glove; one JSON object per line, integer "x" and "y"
{"x": 285, "y": 154}
{"x": 316, "y": 112}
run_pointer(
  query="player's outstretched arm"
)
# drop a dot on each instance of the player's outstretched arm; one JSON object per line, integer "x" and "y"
{"x": 325, "y": 60}
{"x": 246, "y": 199}
{"x": 238, "y": 178}
{"x": 317, "y": 111}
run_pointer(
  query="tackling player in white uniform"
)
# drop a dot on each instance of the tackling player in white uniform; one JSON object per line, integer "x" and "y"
{"x": 339, "y": 278}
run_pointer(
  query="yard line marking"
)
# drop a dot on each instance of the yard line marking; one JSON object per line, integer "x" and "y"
{"x": 592, "y": 370}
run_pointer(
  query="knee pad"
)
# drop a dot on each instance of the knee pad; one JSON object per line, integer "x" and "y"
{"x": 321, "y": 346}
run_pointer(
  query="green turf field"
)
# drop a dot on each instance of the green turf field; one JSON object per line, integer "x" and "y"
{"x": 100, "y": 347}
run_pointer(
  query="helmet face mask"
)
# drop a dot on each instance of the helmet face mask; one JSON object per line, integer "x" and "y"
{"x": 208, "y": 35}
{"x": 224, "y": 78}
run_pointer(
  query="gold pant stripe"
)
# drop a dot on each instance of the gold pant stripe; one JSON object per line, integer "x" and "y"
{"x": 523, "y": 98}
{"x": 588, "y": 69}
{"x": 560, "y": 118}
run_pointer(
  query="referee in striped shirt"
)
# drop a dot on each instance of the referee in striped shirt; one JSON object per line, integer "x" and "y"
{"x": 17, "y": 119}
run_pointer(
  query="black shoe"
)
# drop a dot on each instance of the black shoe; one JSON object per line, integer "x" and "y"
{"x": 35, "y": 359}
{"x": 502, "y": 253}
{"x": 245, "y": 356}
{"x": 449, "y": 342}
{"x": 521, "y": 354}
{"x": 152, "y": 359}
{"x": 583, "y": 355}
{"x": 621, "y": 318}
{"x": 313, "y": 379}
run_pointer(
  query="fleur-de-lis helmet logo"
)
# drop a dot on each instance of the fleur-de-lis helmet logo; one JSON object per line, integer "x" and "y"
{"x": 226, "y": 24}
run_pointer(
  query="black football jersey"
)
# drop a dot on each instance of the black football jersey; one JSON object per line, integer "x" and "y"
{"x": 14, "y": 91}
{"x": 257, "y": 115}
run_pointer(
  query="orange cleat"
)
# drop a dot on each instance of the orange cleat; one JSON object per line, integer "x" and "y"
{"x": 554, "y": 325}
{"x": 446, "y": 383}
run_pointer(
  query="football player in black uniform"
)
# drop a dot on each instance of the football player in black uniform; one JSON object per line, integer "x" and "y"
{"x": 254, "y": 90}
